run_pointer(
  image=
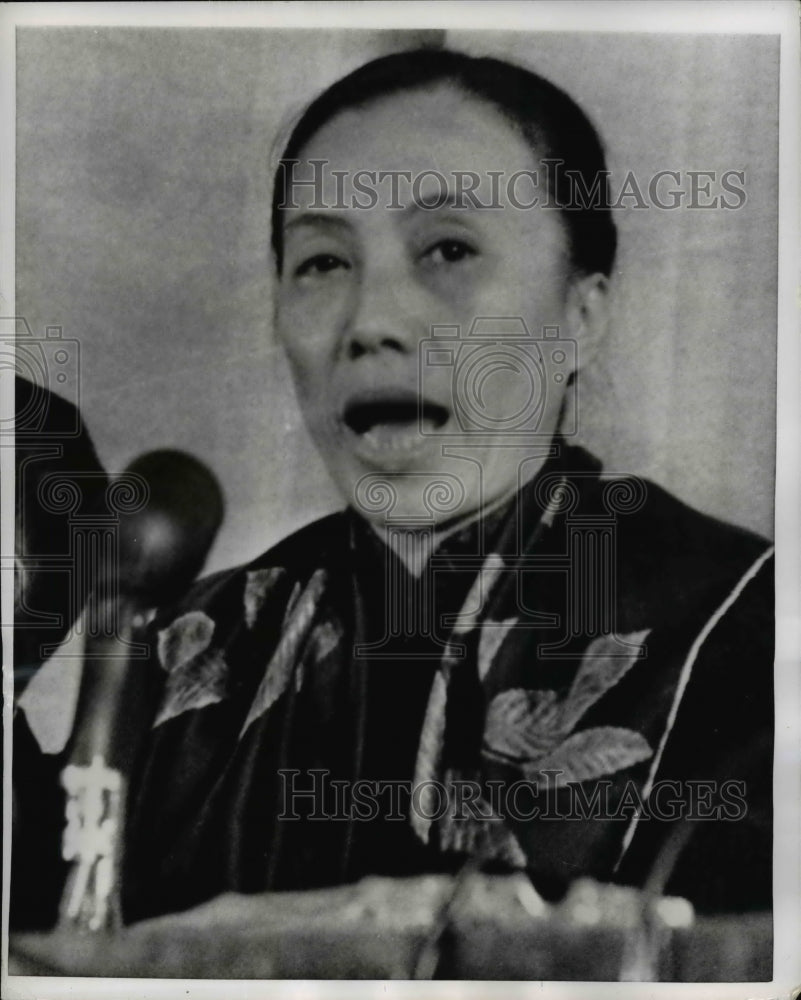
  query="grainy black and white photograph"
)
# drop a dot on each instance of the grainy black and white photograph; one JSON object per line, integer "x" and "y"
{"x": 392, "y": 589}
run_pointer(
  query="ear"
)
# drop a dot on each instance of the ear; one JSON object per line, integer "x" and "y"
{"x": 588, "y": 313}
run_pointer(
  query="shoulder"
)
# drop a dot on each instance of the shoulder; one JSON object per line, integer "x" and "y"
{"x": 668, "y": 561}
{"x": 222, "y": 602}
{"x": 676, "y": 560}
{"x": 663, "y": 519}
{"x": 299, "y": 554}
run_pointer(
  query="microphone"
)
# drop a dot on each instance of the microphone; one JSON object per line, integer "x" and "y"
{"x": 165, "y": 510}
{"x": 164, "y": 543}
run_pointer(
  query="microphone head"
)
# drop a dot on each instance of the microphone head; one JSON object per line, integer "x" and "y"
{"x": 165, "y": 541}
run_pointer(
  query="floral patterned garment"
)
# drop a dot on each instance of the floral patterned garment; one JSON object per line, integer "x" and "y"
{"x": 565, "y": 680}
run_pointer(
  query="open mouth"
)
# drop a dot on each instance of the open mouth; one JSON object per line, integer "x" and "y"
{"x": 392, "y": 428}
{"x": 394, "y": 414}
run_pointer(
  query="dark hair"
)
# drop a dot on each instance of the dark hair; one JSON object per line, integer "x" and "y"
{"x": 548, "y": 118}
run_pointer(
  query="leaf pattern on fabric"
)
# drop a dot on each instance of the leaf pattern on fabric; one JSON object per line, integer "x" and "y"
{"x": 429, "y": 753}
{"x": 490, "y": 839}
{"x": 532, "y": 729}
{"x": 258, "y": 584}
{"x": 432, "y": 734}
{"x": 492, "y": 637}
{"x": 522, "y": 724}
{"x": 592, "y": 753}
{"x": 477, "y": 829}
{"x": 196, "y": 683}
{"x": 485, "y": 580}
{"x": 324, "y": 639}
{"x": 184, "y": 639}
{"x": 602, "y": 666}
{"x": 291, "y": 603}
{"x": 298, "y": 622}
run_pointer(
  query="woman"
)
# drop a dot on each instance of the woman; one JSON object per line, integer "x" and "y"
{"x": 493, "y": 651}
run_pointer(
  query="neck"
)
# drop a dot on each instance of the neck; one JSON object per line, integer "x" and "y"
{"x": 415, "y": 544}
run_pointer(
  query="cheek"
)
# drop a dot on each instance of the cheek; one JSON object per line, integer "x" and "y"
{"x": 540, "y": 276}
{"x": 293, "y": 332}
{"x": 304, "y": 375}
{"x": 308, "y": 328}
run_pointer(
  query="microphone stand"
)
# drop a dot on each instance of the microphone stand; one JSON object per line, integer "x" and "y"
{"x": 161, "y": 543}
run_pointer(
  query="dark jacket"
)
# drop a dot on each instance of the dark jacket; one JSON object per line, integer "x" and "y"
{"x": 613, "y": 669}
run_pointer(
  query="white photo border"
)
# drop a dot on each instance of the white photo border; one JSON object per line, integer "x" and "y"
{"x": 677, "y": 17}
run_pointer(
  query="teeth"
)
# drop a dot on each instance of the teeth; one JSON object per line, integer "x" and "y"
{"x": 398, "y": 437}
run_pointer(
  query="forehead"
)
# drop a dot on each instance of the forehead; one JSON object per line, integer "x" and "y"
{"x": 440, "y": 129}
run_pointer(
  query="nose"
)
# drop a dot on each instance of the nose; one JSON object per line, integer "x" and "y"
{"x": 384, "y": 314}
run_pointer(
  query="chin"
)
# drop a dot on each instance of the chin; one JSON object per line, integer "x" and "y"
{"x": 408, "y": 497}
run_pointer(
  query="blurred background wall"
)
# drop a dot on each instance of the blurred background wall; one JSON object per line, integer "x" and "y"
{"x": 143, "y": 189}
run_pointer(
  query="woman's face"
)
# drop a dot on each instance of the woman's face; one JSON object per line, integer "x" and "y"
{"x": 405, "y": 324}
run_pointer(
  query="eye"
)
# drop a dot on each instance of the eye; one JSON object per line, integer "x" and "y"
{"x": 320, "y": 264}
{"x": 450, "y": 251}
